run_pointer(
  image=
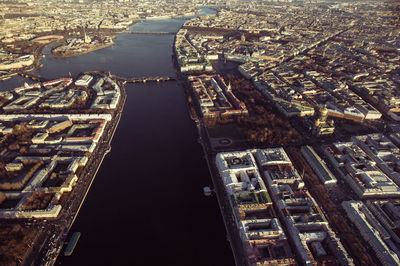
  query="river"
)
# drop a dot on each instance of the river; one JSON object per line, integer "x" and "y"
{"x": 146, "y": 205}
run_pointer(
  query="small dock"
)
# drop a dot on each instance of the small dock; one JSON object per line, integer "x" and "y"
{"x": 72, "y": 244}
{"x": 207, "y": 191}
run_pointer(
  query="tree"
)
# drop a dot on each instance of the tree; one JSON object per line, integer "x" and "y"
{"x": 2, "y": 197}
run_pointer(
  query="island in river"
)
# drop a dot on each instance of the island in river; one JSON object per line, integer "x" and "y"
{"x": 78, "y": 46}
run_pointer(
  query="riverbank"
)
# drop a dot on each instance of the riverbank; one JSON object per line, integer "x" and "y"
{"x": 222, "y": 198}
{"x": 47, "y": 206}
{"x": 62, "y": 225}
{"x": 33, "y": 47}
{"x": 232, "y": 234}
{"x": 44, "y": 40}
{"x": 155, "y": 129}
{"x": 36, "y": 45}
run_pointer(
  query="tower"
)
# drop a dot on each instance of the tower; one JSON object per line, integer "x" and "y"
{"x": 323, "y": 126}
{"x": 323, "y": 113}
{"x": 321, "y": 119}
{"x": 86, "y": 38}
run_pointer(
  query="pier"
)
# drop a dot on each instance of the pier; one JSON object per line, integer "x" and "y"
{"x": 72, "y": 244}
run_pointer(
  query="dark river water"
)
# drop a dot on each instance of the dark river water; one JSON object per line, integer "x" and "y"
{"x": 146, "y": 205}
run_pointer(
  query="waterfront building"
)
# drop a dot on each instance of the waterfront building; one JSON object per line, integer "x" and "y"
{"x": 16, "y": 61}
{"x": 307, "y": 228}
{"x": 56, "y": 145}
{"x": 84, "y": 80}
{"x": 58, "y": 94}
{"x": 261, "y": 233}
{"x": 189, "y": 59}
{"x": 50, "y": 174}
{"x": 215, "y": 99}
{"x": 107, "y": 94}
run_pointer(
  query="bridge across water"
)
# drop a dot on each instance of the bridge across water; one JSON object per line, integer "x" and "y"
{"x": 142, "y": 79}
{"x": 133, "y": 80}
{"x": 122, "y": 79}
{"x": 150, "y": 32}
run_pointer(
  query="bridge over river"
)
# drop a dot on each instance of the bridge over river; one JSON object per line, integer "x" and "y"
{"x": 150, "y": 32}
{"x": 143, "y": 79}
{"x": 132, "y": 80}
{"x": 122, "y": 79}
